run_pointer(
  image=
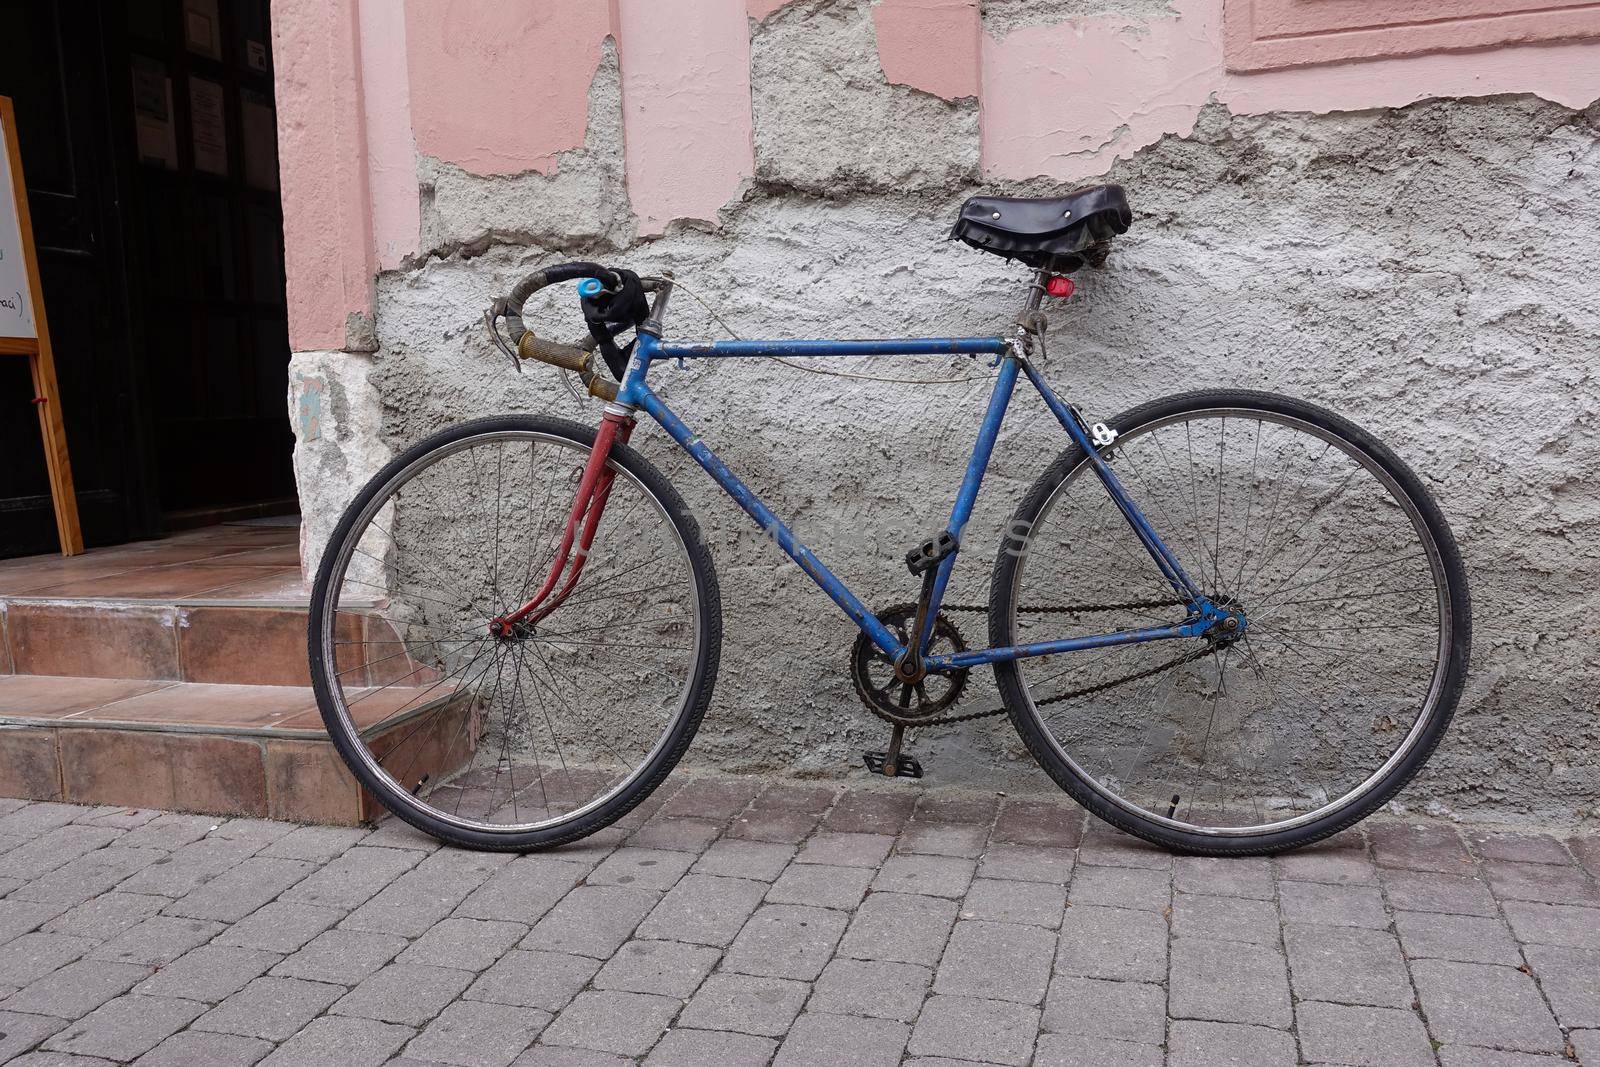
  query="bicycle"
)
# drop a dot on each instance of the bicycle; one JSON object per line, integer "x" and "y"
{"x": 1257, "y": 653}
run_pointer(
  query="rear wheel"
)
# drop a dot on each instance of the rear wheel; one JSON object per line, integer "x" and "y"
{"x": 1354, "y": 649}
{"x": 544, "y": 735}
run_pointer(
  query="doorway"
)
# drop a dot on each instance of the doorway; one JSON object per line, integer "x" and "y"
{"x": 148, "y": 138}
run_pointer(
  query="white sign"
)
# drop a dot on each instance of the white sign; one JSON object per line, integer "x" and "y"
{"x": 16, "y": 301}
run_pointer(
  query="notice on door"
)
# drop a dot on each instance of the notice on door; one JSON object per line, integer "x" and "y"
{"x": 209, "y": 126}
{"x": 16, "y": 301}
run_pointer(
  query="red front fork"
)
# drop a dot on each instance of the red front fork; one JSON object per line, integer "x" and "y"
{"x": 590, "y": 503}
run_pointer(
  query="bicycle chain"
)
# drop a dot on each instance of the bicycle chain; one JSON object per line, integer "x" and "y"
{"x": 1177, "y": 661}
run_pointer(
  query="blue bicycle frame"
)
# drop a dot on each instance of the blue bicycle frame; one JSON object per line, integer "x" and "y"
{"x": 1010, "y": 357}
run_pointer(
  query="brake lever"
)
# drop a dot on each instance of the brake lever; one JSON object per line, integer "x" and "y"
{"x": 489, "y": 321}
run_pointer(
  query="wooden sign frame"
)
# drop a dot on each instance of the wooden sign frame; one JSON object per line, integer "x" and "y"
{"x": 41, "y": 361}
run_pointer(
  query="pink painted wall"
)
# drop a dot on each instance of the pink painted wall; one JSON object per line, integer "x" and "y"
{"x": 501, "y": 88}
{"x": 686, "y": 106}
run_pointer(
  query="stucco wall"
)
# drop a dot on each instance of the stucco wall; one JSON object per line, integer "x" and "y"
{"x": 1406, "y": 240}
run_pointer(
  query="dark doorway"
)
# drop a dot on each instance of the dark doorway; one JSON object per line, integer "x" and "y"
{"x": 148, "y": 139}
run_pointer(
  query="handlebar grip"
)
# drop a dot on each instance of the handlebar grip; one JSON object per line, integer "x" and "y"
{"x": 567, "y": 357}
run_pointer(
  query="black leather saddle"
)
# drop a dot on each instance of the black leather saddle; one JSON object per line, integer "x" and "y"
{"x": 1058, "y": 233}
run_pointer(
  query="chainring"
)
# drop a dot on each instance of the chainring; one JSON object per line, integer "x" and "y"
{"x": 894, "y": 701}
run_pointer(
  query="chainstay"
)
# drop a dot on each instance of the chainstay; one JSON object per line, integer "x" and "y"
{"x": 1176, "y": 661}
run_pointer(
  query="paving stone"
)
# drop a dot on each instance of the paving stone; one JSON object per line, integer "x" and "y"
{"x": 170, "y": 832}
{"x": 871, "y": 987}
{"x": 1030, "y": 903}
{"x": 1419, "y": 848}
{"x": 1361, "y": 1037}
{"x": 270, "y": 1008}
{"x": 1193, "y": 1043}
{"x": 1520, "y": 848}
{"x": 1108, "y": 847}
{"x": 1587, "y": 1045}
{"x": 1456, "y": 894}
{"x": 105, "y": 916}
{"x": 684, "y": 834}
{"x": 899, "y": 928}
{"x": 1542, "y": 882}
{"x": 1586, "y": 849}
{"x": 646, "y": 868}
{"x": 427, "y": 893}
{"x": 209, "y": 973}
{"x": 820, "y": 887}
{"x": 1123, "y": 1011}
{"x": 316, "y": 843}
{"x": 1340, "y": 860}
{"x": 158, "y": 940}
{"x": 789, "y": 827}
{"x": 760, "y": 860}
{"x": 624, "y": 1023}
{"x": 546, "y": 980}
{"x": 1554, "y": 924}
{"x": 280, "y": 927}
{"x": 819, "y": 1040}
{"x": 868, "y": 812}
{"x": 343, "y": 956}
{"x": 522, "y": 890}
{"x": 692, "y": 1048}
{"x": 1570, "y": 978}
{"x": 1043, "y": 823}
{"x": 468, "y": 944}
{"x": 18, "y": 917}
{"x": 1223, "y": 982}
{"x": 257, "y": 832}
{"x": 42, "y": 854}
{"x": 89, "y": 876}
{"x": 195, "y": 1048}
{"x": 939, "y": 876}
{"x": 592, "y": 920}
{"x": 59, "y": 1059}
{"x": 353, "y": 878}
{"x": 126, "y": 1027}
{"x": 34, "y": 819}
{"x": 1347, "y": 965}
{"x": 1332, "y": 905}
{"x": 989, "y": 1031}
{"x": 475, "y": 1034}
{"x": 704, "y": 909}
{"x": 32, "y": 956}
{"x": 670, "y": 968}
{"x": 1070, "y": 1050}
{"x": 1027, "y": 863}
{"x": 1475, "y": 1004}
{"x": 957, "y": 806}
{"x": 1225, "y": 919}
{"x": 236, "y": 893}
{"x": 712, "y": 798}
{"x": 1465, "y": 938}
{"x": 847, "y": 849}
{"x": 342, "y": 1041}
{"x": 1231, "y": 876}
{"x": 746, "y": 1003}
{"x": 786, "y": 941}
{"x": 76, "y": 989}
{"x": 179, "y": 873}
{"x": 1118, "y": 944}
{"x": 1121, "y": 887}
{"x": 943, "y": 839}
{"x": 19, "y": 1032}
{"x": 810, "y": 798}
{"x": 996, "y": 961}
{"x": 404, "y": 993}
{"x": 552, "y": 1056}
{"x": 394, "y": 833}
{"x": 1467, "y": 1056}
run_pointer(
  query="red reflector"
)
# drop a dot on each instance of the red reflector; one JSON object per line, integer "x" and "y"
{"x": 1059, "y": 286}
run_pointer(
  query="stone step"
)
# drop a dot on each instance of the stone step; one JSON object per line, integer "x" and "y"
{"x": 229, "y": 749}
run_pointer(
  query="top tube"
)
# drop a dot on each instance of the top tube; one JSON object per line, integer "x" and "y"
{"x": 894, "y": 346}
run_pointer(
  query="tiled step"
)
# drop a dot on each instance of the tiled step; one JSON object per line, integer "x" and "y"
{"x": 195, "y": 746}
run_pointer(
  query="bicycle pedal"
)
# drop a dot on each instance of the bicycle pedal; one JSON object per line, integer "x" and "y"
{"x": 905, "y": 766}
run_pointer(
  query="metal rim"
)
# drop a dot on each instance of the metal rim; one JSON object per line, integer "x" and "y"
{"x": 1441, "y": 663}
{"x": 346, "y": 549}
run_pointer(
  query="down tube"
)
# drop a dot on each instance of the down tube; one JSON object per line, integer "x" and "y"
{"x": 691, "y": 443}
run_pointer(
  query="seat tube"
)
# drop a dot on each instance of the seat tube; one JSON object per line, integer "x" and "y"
{"x": 967, "y": 496}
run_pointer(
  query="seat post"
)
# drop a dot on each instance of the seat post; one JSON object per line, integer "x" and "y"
{"x": 1030, "y": 320}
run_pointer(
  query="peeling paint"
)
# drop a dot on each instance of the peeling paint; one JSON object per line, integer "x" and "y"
{"x": 930, "y": 45}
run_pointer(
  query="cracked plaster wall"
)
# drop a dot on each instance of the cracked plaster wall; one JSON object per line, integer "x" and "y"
{"x": 1423, "y": 270}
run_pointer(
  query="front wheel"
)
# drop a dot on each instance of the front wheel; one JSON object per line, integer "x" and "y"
{"x": 529, "y": 736}
{"x": 1353, "y": 653}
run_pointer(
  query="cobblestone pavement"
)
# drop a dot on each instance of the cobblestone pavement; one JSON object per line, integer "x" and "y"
{"x": 742, "y": 921}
